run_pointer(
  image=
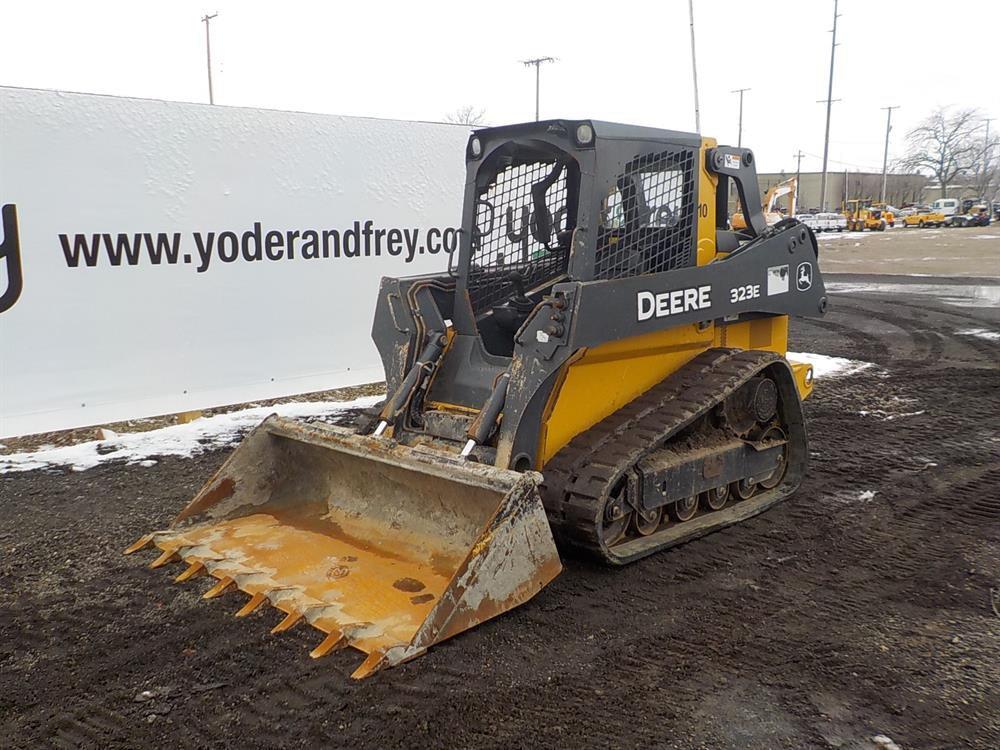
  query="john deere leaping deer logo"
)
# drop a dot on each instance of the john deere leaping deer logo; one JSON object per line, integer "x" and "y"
{"x": 804, "y": 277}
{"x": 11, "y": 279}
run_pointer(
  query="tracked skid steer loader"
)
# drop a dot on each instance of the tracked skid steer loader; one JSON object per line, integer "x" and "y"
{"x": 602, "y": 366}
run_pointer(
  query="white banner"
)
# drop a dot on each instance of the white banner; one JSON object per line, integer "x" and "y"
{"x": 173, "y": 257}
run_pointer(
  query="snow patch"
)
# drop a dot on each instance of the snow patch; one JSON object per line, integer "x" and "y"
{"x": 885, "y": 742}
{"x": 886, "y": 408}
{"x": 839, "y": 235}
{"x": 886, "y": 416}
{"x": 986, "y": 236}
{"x": 184, "y": 440}
{"x": 825, "y": 366}
{"x": 867, "y": 495}
{"x": 981, "y": 333}
{"x": 959, "y": 295}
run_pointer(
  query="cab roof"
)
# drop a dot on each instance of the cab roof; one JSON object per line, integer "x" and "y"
{"x": 603, "y": 130}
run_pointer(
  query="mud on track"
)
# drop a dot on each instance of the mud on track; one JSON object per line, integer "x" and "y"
{"x": 827, "y": 620}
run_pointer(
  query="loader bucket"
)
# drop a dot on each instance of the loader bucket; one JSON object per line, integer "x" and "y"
{"x": 382, "y": 547}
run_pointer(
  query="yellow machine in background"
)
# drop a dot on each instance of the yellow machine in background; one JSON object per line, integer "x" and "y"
{"x": 775, "y": 193}
{"x": 887, "y": 212}
{"x": 861, "y": 216}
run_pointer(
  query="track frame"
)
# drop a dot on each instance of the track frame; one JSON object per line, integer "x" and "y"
{"x": 577, "y": 482}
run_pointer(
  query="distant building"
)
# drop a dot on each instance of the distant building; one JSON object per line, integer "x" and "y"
{"x": 900, "y": 189}
{"x": 962, "y": 186}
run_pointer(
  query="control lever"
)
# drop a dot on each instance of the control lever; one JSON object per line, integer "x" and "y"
{"x": 516, "y": 279}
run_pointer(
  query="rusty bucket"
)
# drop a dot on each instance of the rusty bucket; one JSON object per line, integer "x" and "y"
{"x": 382, "y": 547}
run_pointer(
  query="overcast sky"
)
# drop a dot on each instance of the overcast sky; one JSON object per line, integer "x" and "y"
{"x": 622, "y": 60}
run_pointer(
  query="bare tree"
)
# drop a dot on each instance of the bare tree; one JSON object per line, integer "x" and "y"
{"x": 986, "y": 170}
{"x": 945, "y": 145}
{"x": 905, "y": 188}
{"x": 466, "y": 115}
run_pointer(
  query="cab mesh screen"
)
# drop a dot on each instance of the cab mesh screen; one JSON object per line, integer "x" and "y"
{"x": 506, "y": 238}
{"x": 648, "y": 218}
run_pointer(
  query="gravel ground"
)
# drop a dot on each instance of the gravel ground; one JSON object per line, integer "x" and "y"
{"x": 859, "y": 607}
{"x": 945, "y": 251}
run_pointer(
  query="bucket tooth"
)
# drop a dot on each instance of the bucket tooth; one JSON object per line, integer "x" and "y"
{"x": 193, "y": 570}
{"x": 168, "y": 556}
{"x": 255, "y": 601}
{"x": 220, "y": 588}
{"x": 374, "y": 662}
{"x": 289, "y": 622}
{"x": 139, "y": 544}
{"x": 386, "y": 656}
{"x": 332, "y": 642}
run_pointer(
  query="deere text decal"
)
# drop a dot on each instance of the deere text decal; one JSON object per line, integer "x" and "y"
{"x": 674, "y": 302}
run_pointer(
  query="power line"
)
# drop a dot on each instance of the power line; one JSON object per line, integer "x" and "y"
{"x": 208, "y": 53}
{"x": 537, "y": 62}
{"x": 852, "y": 165}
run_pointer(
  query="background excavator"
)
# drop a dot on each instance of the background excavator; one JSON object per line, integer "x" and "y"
{"x": 774, "y": 194}
{"x": 602, "y": 366}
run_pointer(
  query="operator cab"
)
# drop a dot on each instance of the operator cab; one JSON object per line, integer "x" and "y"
{"x": 558, "y": 200}
{"x": 525, "y": 210}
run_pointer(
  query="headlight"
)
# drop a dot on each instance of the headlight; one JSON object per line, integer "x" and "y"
{"x": 584, "y": 134}
{"x": 809, "y": 376}
{"x": 476, "y": 147}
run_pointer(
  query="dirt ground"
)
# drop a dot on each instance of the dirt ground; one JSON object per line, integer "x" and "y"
{"x": 969, "y": 251}
{"x": 860, "y": 607}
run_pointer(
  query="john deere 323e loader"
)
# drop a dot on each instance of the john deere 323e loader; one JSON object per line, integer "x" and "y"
{"x": 602, "y": 367}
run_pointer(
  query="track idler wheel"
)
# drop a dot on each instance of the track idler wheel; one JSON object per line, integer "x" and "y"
{"x": 685, "y": 509}
{"x": 716, "y": 499}
{"x": 617, "y": 515}
{"x": 755, "y": 403}
{"x": 744, "y": 489}
{"x": 775, "y": 479}
{"x": 645, "y": 522}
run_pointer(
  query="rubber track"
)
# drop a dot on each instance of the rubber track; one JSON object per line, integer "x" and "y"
{"x": 579, "y": 477}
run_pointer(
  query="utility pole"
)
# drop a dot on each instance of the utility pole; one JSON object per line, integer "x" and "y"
{"x": 885, "y": 155}
{"x": 537, "y": 62}
{"x": 208, "y": 54}
{"x": 739, "y": 137}
{"x": 798, "y": 172}
{"x": 694, "y": 70}
{"x": 829, "y": 105}
{"x": 986, "y": 165}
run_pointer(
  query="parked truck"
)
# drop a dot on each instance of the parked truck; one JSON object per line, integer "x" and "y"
{"x": 977, "y": 215}
{"x": 924, "y": 217}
